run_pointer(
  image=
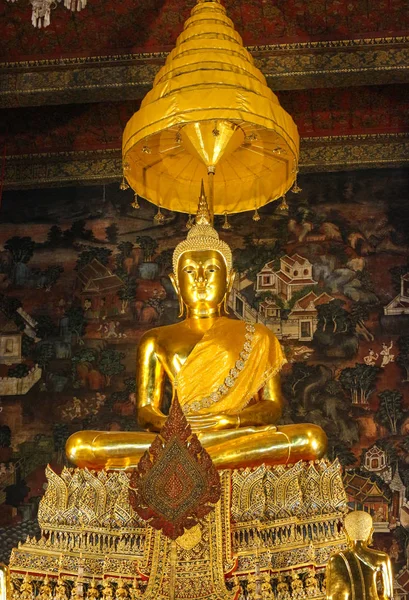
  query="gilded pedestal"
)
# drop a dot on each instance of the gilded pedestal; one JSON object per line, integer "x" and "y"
{"x": 272, "y": 532}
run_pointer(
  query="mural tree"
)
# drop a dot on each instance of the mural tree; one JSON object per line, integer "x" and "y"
{"x": 76, "y": 321}
{"x": 314, "y": 396}
{"x": 112, "y": 232}
{"x": 335, "y": 334}
{"x": 81, "y": 363}
{"x": 359, "y": 381}
{"x": 124, "y": 252}
{"x": 18, "y": 371}
{"x": 359, "y": 314}
{"x": 9, "y": 306}
{"x": 164, "y": 260}
{"x": 343, "y": 453}
{"x": 78, "y": 230}
{"x": 88, "y": 255}
{"x": 127, "y": 293}
{"x": 27, "y": 346}
{"x": 252, "y": 258}
{"x": 148, "y": 245}
{"x": 20, "y": 248}
{"x": 390, "y": 410}
{"x": 5, "y": 436}
{"x": 45, "y": 326}
{"x": 44, "y": 353}
{"x": 60, "y": 436}
{"x": 50, "y": 276}
{"x": 55, "y": 236}
{"x": 403, "y": 357}
{"x": 109, "y": 363}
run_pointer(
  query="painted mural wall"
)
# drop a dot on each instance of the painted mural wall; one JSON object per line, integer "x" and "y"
{"x": 83, "y": 275}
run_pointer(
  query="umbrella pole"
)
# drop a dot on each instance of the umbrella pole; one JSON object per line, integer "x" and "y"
{"x": 210, "y": 180}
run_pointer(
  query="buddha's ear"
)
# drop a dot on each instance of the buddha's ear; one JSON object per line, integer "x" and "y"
{"x": 174, "y": 283}
{"x": 230, "y": 281}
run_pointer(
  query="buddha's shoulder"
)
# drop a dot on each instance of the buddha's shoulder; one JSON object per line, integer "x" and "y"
{"x": 378, "y": 555}
{"x": 158, "y": 334}
{"x": 258, "y": 329}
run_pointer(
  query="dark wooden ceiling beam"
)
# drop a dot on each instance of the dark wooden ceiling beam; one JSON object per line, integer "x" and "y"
{"x": 305, "y": 65}
{"x": 105, "y": 166}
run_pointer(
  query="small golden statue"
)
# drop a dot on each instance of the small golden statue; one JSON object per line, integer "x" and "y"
{"x": 311, "y": 584}
{"x": 60, "y": 591}
{"x": 266, "y": 591}
{"x": 224, "y": 371}
{"x": 77, "y": 590}
{"x": 283, "y": 589}
{"x": 297, "y": 587}
{"x": 134, "y": 591}
{"x": 92, "y": 592}
{"x": 26, "y": 588}
{"x": 121, "y": 591}
{"x": 107, "y": 591}
{"x": 251, "y": 586}
{"x": 45, "y": 590}
{"x": 355, "y": 574}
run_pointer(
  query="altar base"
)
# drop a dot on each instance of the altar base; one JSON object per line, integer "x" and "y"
{"x": 270, "y": 536}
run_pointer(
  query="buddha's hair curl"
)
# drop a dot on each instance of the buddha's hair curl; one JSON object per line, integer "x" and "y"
{"x": 202, "y": 237}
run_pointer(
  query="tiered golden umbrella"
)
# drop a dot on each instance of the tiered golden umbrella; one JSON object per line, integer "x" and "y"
{"x": 210, "y": 115}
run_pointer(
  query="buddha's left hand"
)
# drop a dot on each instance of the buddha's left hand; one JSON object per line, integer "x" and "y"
{"x": 201, "y": 422}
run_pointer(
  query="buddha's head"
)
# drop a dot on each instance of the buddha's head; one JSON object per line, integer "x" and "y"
{"x": 202, "y": 268}
{"x": 359, "y": 526}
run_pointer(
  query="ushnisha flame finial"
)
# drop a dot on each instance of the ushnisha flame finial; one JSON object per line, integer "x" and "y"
{"x": 203, "y": 213}
{"x": 202, "y": 236}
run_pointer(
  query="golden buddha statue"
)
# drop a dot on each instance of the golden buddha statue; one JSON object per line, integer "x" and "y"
{"x": 311, "y": 584}
{"x": 283, "y": 589}
{"x": 297, "y": 587}
{"x": 60, "y": 591}
{"x": 121, "y": 591}
{"x": 26, "y": 588}
{"x": 46, "y": 592}
{"x": 266, "y": 591}
{"x": 107, "y": 590}
{"x": 356, "y": 573}
{"x": 92, "y": 592}
{"x": 225, "y": 373}
{"x": 134, "y": 591}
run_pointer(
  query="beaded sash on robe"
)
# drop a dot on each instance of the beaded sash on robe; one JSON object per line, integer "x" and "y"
{"x": 227, "y": 367}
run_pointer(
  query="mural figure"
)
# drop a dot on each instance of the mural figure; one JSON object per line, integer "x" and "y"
{"x": 371, "y": 358}
{"x": 387, "y": 357}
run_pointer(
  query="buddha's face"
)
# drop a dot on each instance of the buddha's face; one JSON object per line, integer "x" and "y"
{"x": 203, "y": 281}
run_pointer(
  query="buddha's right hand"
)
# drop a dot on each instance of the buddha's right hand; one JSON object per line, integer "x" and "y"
{"x": 200, "y": 423}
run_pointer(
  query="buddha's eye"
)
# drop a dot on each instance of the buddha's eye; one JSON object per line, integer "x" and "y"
{"x": 189, "y": 270}
{"x": 212, "y": 268}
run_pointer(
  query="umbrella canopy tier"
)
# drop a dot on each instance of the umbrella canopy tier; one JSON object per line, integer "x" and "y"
{"x": 210, "y": 111}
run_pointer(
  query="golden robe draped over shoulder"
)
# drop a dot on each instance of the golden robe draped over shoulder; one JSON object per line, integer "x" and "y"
{"x": 212, "y": 359}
